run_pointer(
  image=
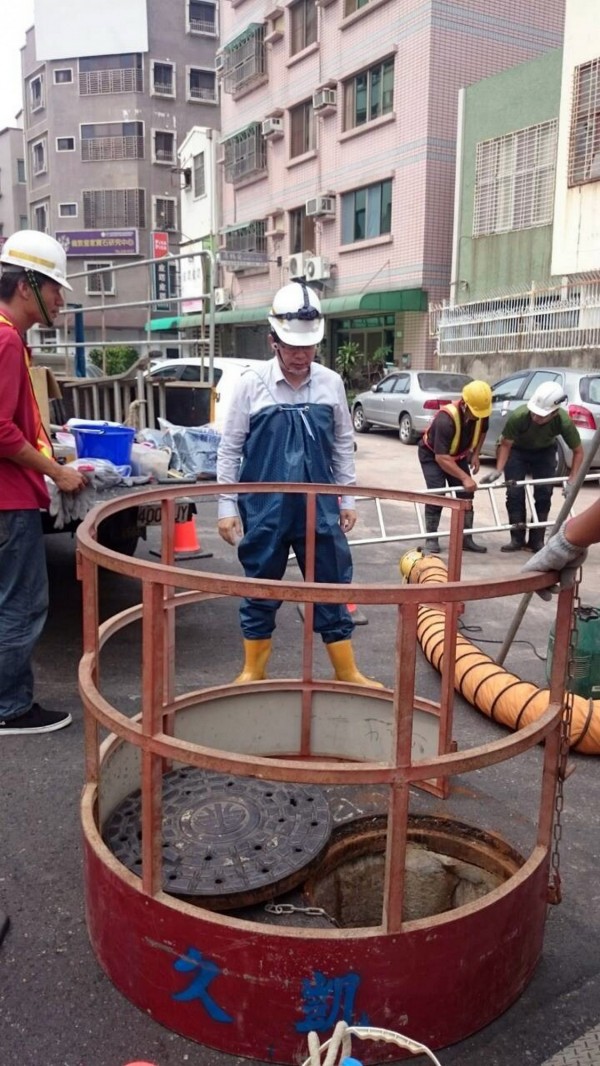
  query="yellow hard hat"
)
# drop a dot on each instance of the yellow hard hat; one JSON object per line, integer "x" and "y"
{"x": 478, "y": 398}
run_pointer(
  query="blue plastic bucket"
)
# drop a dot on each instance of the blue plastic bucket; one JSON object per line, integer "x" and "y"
{"x": 104, "y": 442}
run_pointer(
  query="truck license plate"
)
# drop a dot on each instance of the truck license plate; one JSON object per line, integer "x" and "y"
{"x": 149, "y": 514}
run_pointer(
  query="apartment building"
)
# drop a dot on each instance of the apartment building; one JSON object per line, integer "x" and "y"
{"x": 525, "y": 286}
{"x": 106, "y": 103}
{"x": 13, "y": 181}
{"x": 338, "y": 147}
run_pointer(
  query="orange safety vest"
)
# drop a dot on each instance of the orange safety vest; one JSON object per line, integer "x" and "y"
{"x": 452, "y": 410}
{"x": 42, "y": 440}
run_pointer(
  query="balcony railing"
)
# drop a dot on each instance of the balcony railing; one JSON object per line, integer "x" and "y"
{"x": 203, "y": 26}
{"x": 94, "y": 82}
{"x": 99, "y": 148}
{"x": 203, "y": 93}
{"x": 164, "y": 155}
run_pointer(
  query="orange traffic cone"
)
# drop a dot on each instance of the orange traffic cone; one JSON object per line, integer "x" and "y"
{"x": 186, "y": 544}
{"x": 358, "y": 617}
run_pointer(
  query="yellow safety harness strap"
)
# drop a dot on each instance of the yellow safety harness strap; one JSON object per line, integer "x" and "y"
{"x": 42, "y": 442}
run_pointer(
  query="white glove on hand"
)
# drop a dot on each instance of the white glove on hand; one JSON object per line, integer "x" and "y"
{"x": 489, "y": 479}
{"x": 567, "y": 490}
{"x": 557, "y": 554}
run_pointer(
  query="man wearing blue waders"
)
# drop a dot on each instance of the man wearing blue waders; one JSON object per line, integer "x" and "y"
{"x": 290, "y": 423}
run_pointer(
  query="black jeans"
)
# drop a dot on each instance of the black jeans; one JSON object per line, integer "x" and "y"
{"x": 537, "y": 464}
{"x": 436, "y": 478}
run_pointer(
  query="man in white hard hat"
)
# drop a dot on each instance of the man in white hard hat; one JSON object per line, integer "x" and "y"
{"x": 31, "y": 282}
{"x": 290, "y": 423}
{"x": 527, "y": 448}
{"x": 449, "y": 455}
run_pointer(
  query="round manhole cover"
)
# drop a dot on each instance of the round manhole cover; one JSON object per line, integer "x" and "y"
{"x": 232, "y": 841}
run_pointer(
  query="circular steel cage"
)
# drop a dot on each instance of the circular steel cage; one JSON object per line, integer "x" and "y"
{"x": 253, "y": 989}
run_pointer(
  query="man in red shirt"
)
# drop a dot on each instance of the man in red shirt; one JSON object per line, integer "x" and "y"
{"x": 33, "y": 276}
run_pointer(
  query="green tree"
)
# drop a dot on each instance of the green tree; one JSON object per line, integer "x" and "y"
{"x": 346, "y": 359}
{"x": 115, "y": 359}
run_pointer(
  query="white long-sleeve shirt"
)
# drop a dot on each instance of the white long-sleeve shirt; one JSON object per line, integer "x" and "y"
{"x": 256, "y": 390}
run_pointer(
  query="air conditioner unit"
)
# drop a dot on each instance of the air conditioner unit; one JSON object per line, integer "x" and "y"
{"x": 321, "y": 206}
{"x": 222, "y": 297}
{"x": 272, "y": 127}
{"x": 297, "y": 265}
{"x": 325, "y": 100}
{"x": 317, "y": 268}
{"x": 219, "y": 61}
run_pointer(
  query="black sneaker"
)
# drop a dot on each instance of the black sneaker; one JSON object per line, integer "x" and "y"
{"x": 35, "y": 720}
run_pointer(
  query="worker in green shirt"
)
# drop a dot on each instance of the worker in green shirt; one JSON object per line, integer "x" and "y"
{"x": 527, "y": 447}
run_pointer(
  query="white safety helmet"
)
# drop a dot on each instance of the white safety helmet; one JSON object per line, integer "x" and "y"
{"x": 30, "y": 250}
{"x": 546, "y": 399}
{"x": 296, "y": 316}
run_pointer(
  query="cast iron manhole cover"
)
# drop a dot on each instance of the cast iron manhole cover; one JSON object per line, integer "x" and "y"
{"x": 231, "y": 841}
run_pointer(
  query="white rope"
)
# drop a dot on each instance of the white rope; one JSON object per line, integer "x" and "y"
{"x": 340, "y": 1042}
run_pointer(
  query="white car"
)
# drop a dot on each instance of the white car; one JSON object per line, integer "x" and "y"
{"x": 226, "y": 371}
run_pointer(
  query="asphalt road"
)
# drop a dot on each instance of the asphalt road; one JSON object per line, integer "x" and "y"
{"x": 57, "y": 1008}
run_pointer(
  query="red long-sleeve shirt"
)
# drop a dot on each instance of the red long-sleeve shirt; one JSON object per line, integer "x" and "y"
{"x": 21, "y": 488}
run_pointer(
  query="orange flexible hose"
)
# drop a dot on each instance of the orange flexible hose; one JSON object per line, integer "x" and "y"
{"x": 488, "y": 687}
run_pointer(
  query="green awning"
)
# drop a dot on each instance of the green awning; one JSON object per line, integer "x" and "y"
{"x": 239, "y": 38}
{"x": 385, "y": 302}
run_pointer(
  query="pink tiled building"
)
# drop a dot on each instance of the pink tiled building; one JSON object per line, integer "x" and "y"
{"x": 338, "y": 144}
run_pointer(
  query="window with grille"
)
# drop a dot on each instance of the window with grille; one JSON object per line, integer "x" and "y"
{"x": 202, "y": 17}
{"x": 114, "y": 208}
{"x": 302, "y": 129}
{"x": 111, "y": 74}
{"x": 369, "y": 95}
{"x": 36, "y": 93}
{"x": 112, "y": 140}
{"x": 165, "y": 213}
{"x": 514, "y": 180}
{"x": 247, "y": 238}
{"x": 199, "y": 175}
{"x": 202, "y": 85}
{"x": 100, "y": 280}
{"x": 40, "y": 217}
{"x": 367, "y": 212}
{"x": 245, "y": 154}
{"x": 38, "y": 157}
{"x": 302, "y": 231}
{"x": 244, "y": 59}
{"x": 584, "y": 146}
{"x": 163, "y": 146}
{"x": 303, "y": 25}
{"x": 163, "y": 79}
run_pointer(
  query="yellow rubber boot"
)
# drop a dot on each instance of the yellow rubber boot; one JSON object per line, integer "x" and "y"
{"x": 341, "y": 654}
{"x": 256, "y": 657}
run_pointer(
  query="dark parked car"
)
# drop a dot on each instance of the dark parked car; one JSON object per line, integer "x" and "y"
{"x": 406, "y": 400}
{"x": 582, "y": 389}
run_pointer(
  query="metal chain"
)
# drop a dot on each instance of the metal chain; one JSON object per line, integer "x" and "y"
{"x": 289, "y": 908}
{"x": 555, "y": 885}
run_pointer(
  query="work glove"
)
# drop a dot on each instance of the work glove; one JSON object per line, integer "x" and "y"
{"x": 557, "y": 554}
{"x": 567, "y": 490}
{"x": 489, "y": 479}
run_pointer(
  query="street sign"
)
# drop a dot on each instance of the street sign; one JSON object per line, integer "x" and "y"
{"x": 160, "y": 272}
{"x": 241, "y": 259}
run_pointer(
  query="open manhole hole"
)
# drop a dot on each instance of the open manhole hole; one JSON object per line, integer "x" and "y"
{"x": 448, "y": 864}
{"x": 227, "y": 841}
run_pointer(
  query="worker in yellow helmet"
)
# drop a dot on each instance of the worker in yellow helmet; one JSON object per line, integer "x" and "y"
{"x": 449, "y": 456}
{"x": 32, "y": 280}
